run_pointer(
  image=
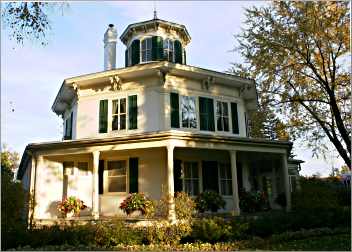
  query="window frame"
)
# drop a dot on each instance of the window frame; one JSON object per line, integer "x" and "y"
{"x": 199, "y": 179}
{"x": 167, "y": 50}
{"x": 87, "y": 172}
{"x": 180, "y": 96}
{"x": 222, "y": 116}
{"x": 224, "y": 179}
{"x": 118, "y": 114}
{"x": 106, "y": 177}
{"x": 142, "y": 51}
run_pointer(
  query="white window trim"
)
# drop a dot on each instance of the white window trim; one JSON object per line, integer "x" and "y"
{"x": 106, "y": 177}
{"x": 228, "y": 116}
{"x": 119, "y": 114}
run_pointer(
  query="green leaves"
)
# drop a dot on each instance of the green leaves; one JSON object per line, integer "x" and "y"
{"x": 295, "y": 52}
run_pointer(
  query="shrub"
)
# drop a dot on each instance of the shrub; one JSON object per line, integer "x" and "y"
{"x": 116, "y": 232}
{"x": 218, "y": 229}
{"x": 253, "y": 201}
{"x": 71, "y": 204}
{"x": 185, "y": 206}
{"x": 165, "y": 233}
{"x": 209, "y": 200}
{"x": 137, "y": 202}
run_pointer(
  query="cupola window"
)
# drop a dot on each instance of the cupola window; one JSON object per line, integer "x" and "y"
{"x": 169, "y": 50}
{"x": 146, "y": 50}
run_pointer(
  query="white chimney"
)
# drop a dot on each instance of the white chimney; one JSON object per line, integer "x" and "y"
{"x": 110, "y": 39}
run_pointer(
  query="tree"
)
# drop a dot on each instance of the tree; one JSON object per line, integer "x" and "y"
{"x": 29, "y": 20}
{"x": 296, "y": 52}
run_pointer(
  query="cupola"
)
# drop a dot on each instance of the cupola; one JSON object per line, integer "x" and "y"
{"x": 155, "y": 40}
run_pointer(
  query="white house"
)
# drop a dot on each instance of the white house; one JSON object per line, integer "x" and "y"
{"x": 155, "y": 126}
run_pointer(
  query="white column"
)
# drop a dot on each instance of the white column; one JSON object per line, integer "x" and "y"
{"x": 286, "y": 181}
{"x": 95, "y": 196}
{"x": 236, "y": 205}
{"x": 170, "y": 184}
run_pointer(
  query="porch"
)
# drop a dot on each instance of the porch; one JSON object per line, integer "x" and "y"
{"x": 156, "y": 168}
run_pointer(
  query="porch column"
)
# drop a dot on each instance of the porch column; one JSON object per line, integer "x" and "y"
{"x": 95, "y": 196}
{"x": 286, "y": 181}
{"x": 170, "y": 183}
{"x": 236, "y": 203}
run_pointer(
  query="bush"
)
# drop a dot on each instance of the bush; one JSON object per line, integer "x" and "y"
{"x": 218, "y": 229}
{"x": 185, "y": 206}
{"x": 116, "y": 232}
{"x": 253, "y": 201}
{"x": 209, "y": 200}
{"x": 165, "y": 233}
{"x": 137, "y": 202}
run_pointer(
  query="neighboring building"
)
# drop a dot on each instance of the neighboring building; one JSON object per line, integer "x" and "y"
{"x": 155, "y": 126}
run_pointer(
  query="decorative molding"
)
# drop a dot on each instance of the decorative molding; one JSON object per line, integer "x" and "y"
{"x": 76, "y": 87}
{"x": 162, "y": 76}
{"x": 207, "y": 82}
{"x": 116, "y": 83}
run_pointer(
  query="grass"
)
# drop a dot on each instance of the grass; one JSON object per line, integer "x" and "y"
{"x": 339, "y": 242}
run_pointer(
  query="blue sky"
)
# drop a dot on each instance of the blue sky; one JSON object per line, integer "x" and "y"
{"x": 31, "y": 75}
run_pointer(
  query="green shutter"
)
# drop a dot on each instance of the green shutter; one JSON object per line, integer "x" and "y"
{"x": 178, "y": 52}
{"x": 234, "y": 116}
{"x": 157, "y": 48}
{"x": 126, "y": 58}
{"x": 71, "y": 119}
{"x": 206, "y": 114}
{"x": 133, "y": 165}
{"x": 103, "y": 116}
{"x": 175, "y": 115}
{"x": 132, "y": 112}
{"x": 184, "y": 57}
{"x": 135, "y": 46}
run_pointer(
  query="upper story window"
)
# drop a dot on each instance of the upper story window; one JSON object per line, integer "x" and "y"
{"x": 169, "y": 50}
{"x": 222, "y": 116}
{"x": 188, "y": 112}
{"x": 118, "y": 114}
{"x": 146, "y": 50}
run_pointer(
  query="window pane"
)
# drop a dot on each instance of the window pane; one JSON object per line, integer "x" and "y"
{"x": 194, "y": 170}
{"x": 226, "y": 187}
{"x": 116, "y": 168}
{"x": 188, "y": 112}
{"x": 115, "y": 123}
{"x": 122, "y": 122}
{"x": 219, "y": 123}
{"x": 123, "y": 105}
{"x": 117, "y": 184}
{"x": 225, "y": 110}
{"x": 226, "y": 124}
{"x": 83, "y": 168}
{"x": 115, "y": 108}
{"x": 225, "y": 171}
{"x": 68, "y": 168}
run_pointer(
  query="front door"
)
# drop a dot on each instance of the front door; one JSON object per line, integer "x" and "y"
{"x": 210, "y": 176}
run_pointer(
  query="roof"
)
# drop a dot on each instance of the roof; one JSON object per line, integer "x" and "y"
{"x": 141, "y": 137}
{"x": 67, "y": 92}
{"x": 155, "y": 23}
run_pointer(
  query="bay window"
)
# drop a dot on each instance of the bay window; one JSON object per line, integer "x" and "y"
{"x": 188, "y": 112}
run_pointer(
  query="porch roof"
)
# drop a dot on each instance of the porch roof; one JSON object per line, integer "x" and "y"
{"x": 147, "y": 137}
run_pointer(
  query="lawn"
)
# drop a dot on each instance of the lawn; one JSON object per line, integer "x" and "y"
{"x": 339, "y": 242}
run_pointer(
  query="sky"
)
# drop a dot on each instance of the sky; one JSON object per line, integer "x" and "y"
{"x": 31, "y": 75}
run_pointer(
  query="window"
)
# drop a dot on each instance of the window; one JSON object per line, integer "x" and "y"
{"x": 68, "y": 168}
{"x": 225, "y": 179}
{"x": 169, "y": 50}
{"x": 146, "y": 50}
{"x": 129, "y": 56}
{"x": 116, "y": 173}
{"x": 119, "y": 114}
{"x": 188, "y": 112}
{"x": 222, "y": 116}
{"x": 190, "y": 178}
{"x": 83, "y": 168}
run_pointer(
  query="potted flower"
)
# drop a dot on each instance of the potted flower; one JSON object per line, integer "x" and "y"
{"x": 137, "y": 202}
{"x": 71, "y": 206}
